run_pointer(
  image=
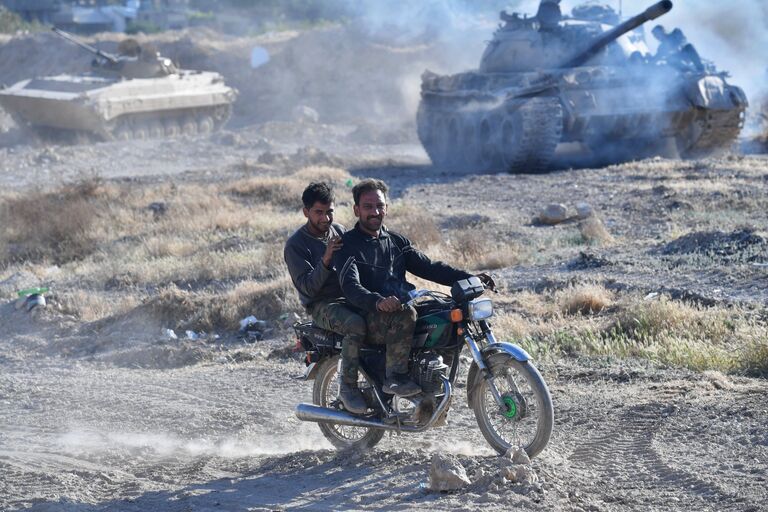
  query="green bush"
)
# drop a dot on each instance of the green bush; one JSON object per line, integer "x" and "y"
{"x": 144, "y": 27}
{"x": 10, "y": 22}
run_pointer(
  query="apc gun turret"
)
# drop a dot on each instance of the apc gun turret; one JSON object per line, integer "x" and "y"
{"x": 549, "y": 79}
{"x": 135, "y": 94}
{"x": 112, "y": 59}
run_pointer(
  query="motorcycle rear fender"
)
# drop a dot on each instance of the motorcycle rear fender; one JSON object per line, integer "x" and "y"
{"x": 494, "y": 348}
{"x": 311, "y": 371}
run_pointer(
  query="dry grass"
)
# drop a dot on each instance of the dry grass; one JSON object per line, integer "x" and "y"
{"x": 57, "y": 226}
{"x": 677, "y": 333}
{"x": 417, "y": 224}
{"x": 213, "y": 255}
{"x": 593, "y": 231}
{"x": 585, "y": 299}
{"x": 205, "y": 246}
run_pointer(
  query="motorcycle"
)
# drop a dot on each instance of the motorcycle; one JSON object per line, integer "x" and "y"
{"x": 508, "y": 395}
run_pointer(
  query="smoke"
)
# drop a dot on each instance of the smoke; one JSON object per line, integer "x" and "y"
{"x": 733, "y": 35}
{"x": 158, "y": 444}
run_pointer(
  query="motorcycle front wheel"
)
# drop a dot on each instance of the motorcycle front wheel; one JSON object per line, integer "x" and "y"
{"x": 325, "y": 393}
{"x": 527, "y": 416}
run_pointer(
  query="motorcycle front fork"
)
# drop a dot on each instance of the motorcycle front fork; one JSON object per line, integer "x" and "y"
{"x": 477, "y": 356}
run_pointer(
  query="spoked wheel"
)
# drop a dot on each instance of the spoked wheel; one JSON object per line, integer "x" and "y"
{"x": 325, "y": 393}
{"x": 527, "y": 416}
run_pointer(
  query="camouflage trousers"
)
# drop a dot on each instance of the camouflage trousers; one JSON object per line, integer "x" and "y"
{"x": 337, "y": 316}
{"x": 395, "y": 330}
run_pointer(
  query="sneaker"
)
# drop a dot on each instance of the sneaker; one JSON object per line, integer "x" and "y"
{"x": 352, "y": 398}
{"x": 400, "y": 385}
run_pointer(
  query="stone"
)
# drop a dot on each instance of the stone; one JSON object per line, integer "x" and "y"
{"x": 553, "y": 214}
{"x": 584, "y": 210}
{"x": 518, "y": 455}
{"x": 521, "y": 474}
{"x": 304, "y": 114}
{"x": 447, "y": 473}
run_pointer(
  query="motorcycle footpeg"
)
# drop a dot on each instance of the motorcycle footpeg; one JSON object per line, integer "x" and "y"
{"x": 393, "y": 419}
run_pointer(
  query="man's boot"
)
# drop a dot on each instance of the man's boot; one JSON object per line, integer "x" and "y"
{"x": 352, "y": 398}
{"x": 400, "y": 384}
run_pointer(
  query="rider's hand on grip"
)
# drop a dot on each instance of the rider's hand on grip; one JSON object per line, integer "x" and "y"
{"x": 487, "y": 281}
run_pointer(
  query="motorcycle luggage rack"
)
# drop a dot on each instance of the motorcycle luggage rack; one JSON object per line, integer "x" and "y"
{"x": 316, "y": 338}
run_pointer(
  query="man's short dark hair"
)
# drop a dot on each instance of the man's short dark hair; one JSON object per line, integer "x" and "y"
{"x": 368, "y": 185}
{"x": 317, "y": 192}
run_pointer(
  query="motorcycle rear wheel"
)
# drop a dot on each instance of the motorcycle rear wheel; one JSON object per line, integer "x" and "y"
{"x": 325, "y": 393}
{"x": 528, "y": 416}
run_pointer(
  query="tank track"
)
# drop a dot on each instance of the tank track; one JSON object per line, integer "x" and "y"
{"x": 168, "y": 124}
{"x": 713, "y": 131}
{"x": 517, "y": 136}
{"x": 141, "y": 126}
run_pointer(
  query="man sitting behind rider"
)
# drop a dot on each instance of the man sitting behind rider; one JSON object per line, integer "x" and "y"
{"x": 308, "y": 254}
{"x": 371, "y": 265}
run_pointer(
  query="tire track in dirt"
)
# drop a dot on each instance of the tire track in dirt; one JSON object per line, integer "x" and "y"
{"x": 624, "y": 456}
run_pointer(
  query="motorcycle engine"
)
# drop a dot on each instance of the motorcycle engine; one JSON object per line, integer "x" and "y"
{"x": 427, "y": 372}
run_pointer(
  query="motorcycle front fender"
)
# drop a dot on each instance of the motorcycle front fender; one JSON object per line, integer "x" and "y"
{"x": 473, "y": 379}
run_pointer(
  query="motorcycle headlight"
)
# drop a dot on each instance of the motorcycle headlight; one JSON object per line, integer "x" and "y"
{"x": 480, "y": 309}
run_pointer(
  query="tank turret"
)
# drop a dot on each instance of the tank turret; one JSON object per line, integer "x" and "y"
{"x": 653, "y": 12}
{"x": 549, "y": 41}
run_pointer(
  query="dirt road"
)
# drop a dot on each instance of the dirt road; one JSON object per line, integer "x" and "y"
{"x": 87, "y": 435}
{"x": 90, "y": 423}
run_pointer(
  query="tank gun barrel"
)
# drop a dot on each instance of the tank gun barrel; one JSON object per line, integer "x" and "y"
{"x": 651, "y": 13}
{"x": 72, "y": 39}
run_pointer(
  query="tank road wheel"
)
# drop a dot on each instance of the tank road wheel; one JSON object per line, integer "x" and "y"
{"x": 511, "y": 134}
{"x": 469, "y": 142}
{"x": 189, "y": 126}
{"x": 529, "y": 134}
{"x": 205, "y": 125}
{"x": 123, "y": 131}
{"x": 428, "y": 128}
{"x": 155, "y": 130}
{"x": 325, "y": 393}
{"x": 221, "y": 115}
{"x": 172, "y": 128}
{"x": 488, "y": 148}
{"x": 140, "y": 132}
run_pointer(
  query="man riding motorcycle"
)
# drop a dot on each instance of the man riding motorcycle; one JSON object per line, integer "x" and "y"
{"x": 371, "y": 265}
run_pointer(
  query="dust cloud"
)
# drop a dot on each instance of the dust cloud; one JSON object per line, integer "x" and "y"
{"x": 163, "y": 444}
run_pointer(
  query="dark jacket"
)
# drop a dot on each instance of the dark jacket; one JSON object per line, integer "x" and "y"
{"x": 303, "y": 254}
{"x": 371, "y": 268}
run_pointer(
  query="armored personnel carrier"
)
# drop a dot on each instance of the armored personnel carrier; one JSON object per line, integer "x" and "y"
{"x": 548, "y": 79}
{"x": 137, "y": 94}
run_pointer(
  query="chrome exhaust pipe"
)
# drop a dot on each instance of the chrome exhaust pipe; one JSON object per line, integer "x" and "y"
{"x": 310, "y": 412}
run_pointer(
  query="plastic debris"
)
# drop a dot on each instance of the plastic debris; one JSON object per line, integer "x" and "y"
{"x": 192, "y": 335}
{"x": 31, "y": 298}
{"x": 252, "y": 329}
{"x": 170, "y": 334}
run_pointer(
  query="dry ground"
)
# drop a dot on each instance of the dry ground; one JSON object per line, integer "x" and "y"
{"x": 648, "y": 337}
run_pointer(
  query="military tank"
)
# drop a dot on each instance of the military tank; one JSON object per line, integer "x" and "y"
{"x": 549, "y": 79}
{"x": 136, "y": 94}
